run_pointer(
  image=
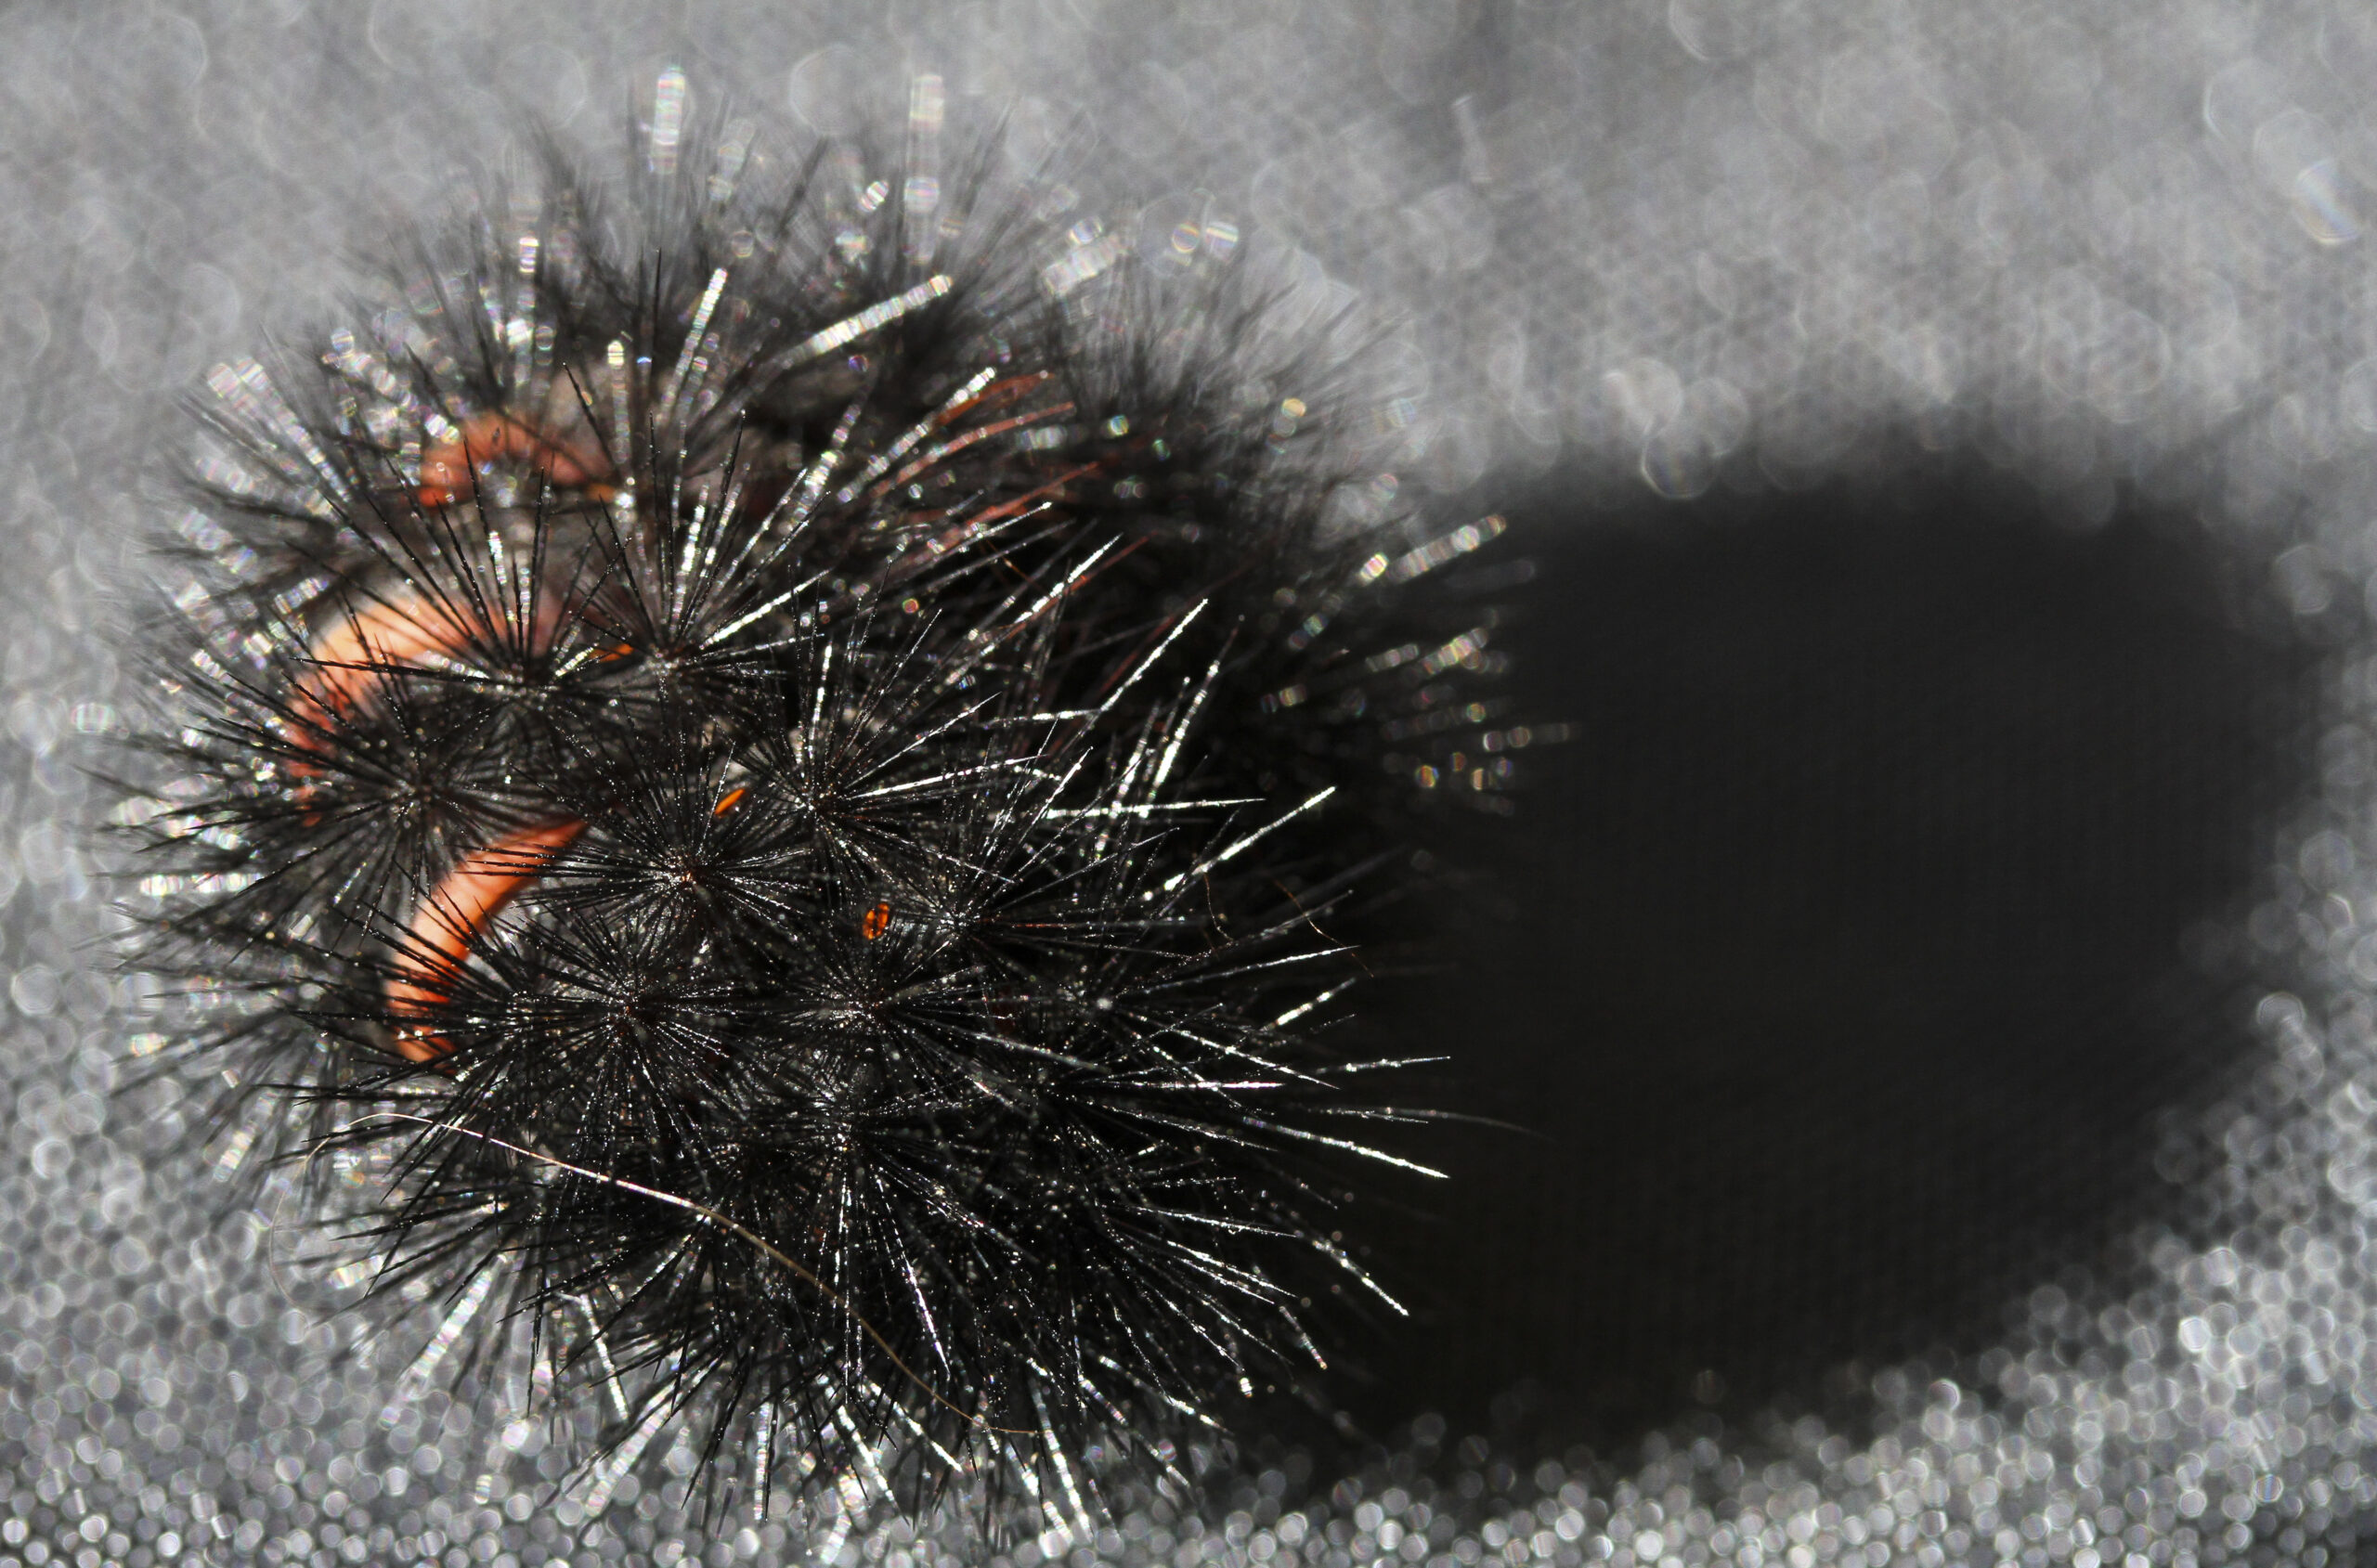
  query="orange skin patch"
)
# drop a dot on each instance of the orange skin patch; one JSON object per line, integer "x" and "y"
{"x": 959, "y": 443}
{"x": 350, "y": 658}
{"x": 348, "y": 662}
{"x": 950, "y": 538}
{"x": 992, "y": 395}
{"x": 406, "y": 630}
{"x": 450, "y": 919}
{"x": 449, "y": 470}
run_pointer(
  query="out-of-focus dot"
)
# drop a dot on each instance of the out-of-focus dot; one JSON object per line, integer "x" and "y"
{"x": 1715, "y": 30}
{"x": 34, "y": 990}
{"x": 550, "y": 77}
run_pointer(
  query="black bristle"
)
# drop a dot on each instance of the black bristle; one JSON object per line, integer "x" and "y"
{"x": 765, "y": 761}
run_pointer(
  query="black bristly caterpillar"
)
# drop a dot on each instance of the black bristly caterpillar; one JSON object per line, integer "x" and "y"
{"x": 763, "y": 750}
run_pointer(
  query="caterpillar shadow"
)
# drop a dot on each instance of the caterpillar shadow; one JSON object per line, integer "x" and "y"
{"x": 1835, "y": 965}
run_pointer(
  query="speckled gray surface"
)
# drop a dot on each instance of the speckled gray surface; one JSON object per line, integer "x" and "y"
{"x": 1675, "y": 244}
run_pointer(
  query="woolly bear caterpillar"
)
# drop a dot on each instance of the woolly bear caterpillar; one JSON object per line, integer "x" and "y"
{"x": 765, "y": 749}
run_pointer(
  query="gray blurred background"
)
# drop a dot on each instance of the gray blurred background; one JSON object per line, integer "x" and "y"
{"x": 1872, "y": 365}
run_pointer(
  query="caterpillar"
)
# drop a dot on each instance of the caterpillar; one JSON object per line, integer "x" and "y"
{"x": 755, "y": 768}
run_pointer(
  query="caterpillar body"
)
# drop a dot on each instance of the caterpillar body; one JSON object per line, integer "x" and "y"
{"x": 759, "y": 759}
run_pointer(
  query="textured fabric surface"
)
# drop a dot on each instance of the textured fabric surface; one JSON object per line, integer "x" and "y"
{"x": 1712, "y": 251}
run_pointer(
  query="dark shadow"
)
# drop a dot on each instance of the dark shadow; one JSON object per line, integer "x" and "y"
{"x": 1837, "y": 962}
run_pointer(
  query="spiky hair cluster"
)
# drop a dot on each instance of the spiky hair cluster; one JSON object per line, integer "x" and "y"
{"x": 765, "y": 750}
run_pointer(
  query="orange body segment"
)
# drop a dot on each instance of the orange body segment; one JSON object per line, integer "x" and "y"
{"x": 1005, "y": 390}
{"x": 454, "y": 914}
{"x": 348, "y": 662}
{"x": 449, "y": 469}
{"x": 349, "y": 659}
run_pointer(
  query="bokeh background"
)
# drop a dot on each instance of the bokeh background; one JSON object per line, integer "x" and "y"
{"x": 1932, "y": 981}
